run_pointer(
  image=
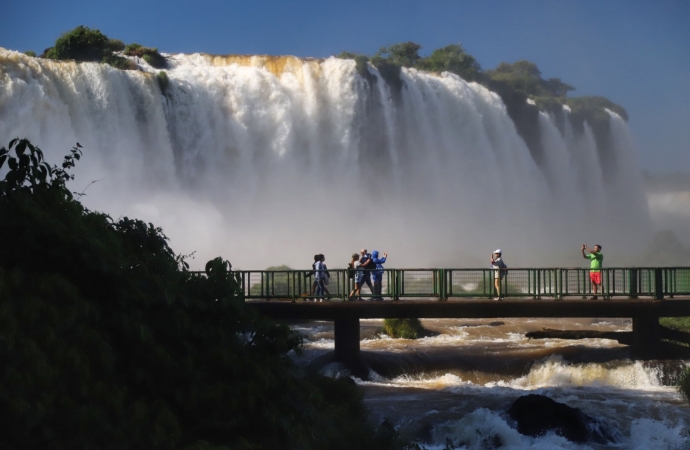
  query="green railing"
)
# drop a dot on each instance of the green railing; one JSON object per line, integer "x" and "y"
{"x": 444, "y": 284}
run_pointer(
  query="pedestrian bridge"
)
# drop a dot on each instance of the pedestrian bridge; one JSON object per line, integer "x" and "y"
{"x": 446, "y": 284}
{"x": 642, "y": 294}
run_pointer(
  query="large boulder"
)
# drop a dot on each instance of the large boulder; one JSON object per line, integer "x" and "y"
{"x": 536, "y": 415}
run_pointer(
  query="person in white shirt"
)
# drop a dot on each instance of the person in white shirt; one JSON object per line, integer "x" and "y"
{"x": 499, "y": 271}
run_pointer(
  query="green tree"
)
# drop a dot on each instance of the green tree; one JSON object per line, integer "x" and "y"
{"x": 108, "y": 341}
{"x": 150, "y": 55}
{"x": 454, "y": 59}
{"x": 80, "y": 44}
{"x": 557, "y": 88}
{"x": 405, "y": 54}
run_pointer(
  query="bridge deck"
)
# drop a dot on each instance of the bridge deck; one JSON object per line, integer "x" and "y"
{"x": 475, "y": 308}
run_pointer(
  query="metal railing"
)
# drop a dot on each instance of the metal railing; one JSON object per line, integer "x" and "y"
{"x": 444, "y": 284}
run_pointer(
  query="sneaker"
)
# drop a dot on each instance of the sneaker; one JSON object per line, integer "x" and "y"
{"x": 496, "y": 299}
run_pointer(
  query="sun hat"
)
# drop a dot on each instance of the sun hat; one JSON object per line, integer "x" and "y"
{"x": 498, "y": 250}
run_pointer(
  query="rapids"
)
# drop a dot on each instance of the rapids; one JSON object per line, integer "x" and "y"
{"x": 459, "y": 383}
{"x": 269, "y": 160}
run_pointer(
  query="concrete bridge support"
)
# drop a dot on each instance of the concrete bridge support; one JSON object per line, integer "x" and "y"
{"x": 347, "y": 340}
{"x": 645, "y": 336}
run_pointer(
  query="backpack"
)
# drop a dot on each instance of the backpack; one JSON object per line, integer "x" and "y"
{"x": 350, "y": 271}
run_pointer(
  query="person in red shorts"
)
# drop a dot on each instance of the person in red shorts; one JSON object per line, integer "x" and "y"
{"x": 596, "y": 260}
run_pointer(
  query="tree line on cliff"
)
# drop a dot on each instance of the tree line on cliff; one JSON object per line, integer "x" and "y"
{"x": 107, "y": 340}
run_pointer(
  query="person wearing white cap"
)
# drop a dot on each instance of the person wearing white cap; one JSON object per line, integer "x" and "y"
{"x": 500, "y": 269}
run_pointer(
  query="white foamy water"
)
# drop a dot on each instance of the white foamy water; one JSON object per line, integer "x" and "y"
{"x": 269, "y": 160}
{"x": 456, "y": 386}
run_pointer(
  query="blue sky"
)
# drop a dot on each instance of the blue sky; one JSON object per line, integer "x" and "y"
{"x": 636, "y": 53}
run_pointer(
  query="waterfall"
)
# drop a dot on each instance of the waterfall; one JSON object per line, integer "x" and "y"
{"x": 269, "y": 160}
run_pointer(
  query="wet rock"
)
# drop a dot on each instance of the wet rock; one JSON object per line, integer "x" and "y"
{"x": 536, "y": 415}
{"x": 496, "y": 324}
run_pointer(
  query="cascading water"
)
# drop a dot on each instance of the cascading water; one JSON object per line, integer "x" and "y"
{"x": 268, "y": 160}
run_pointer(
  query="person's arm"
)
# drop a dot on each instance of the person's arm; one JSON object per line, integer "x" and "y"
{"x": 584, "y": 247}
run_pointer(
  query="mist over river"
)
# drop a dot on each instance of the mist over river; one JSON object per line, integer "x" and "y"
{"x": 459, "y": 383}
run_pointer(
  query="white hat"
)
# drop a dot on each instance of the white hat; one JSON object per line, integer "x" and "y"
{"x": 498, "y": 250}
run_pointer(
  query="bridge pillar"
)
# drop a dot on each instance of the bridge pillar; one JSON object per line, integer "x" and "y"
{"x": 347, "y": 339}
{"x": 645, "y": 336}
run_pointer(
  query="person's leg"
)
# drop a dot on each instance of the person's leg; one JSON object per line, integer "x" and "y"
{"x": 367, "y": 281}
{"x": 497, "y": 285}
{"x": 594, "y": 278}
{"x": 377, "y": 288}
{"x": 319, "y": 288}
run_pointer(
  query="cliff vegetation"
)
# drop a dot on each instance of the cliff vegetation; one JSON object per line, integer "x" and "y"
{"x": 107, "y": 340}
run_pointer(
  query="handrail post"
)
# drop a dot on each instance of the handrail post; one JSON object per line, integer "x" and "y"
{"x": 658, "y": 284}
{"x": 632, "y": 282}
{"x": 443, "y": 297}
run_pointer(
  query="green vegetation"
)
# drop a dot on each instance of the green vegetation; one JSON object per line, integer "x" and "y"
{"x": 150, "y": 55}
{"x": 163, "y": 81}
{"x": 119, "y": 62}
{"x": 403, "y": 328}
{"x": 405, "y": 54}
{"x": 524, "y": 76}
{"x": 108, "y": 341}
{"x": 454, "y": 59}
{"x": 115, "y": 45}
{"x": 80, "y": 44}
{"x": 676, "y": 323}
{"x": 30, "y": 53}
{"x": 86, "y": 44}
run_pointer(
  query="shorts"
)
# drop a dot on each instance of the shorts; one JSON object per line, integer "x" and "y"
{"x": 595, "y": 277}
{"x": 359, "y": 277}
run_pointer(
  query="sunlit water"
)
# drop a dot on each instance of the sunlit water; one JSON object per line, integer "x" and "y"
{"x": 459, "y": 383}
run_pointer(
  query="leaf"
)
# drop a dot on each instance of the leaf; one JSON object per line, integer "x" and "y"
{"x": 21, "y": 148}
{"x": 3, "y": 158}
{"x": 12, "y": 162}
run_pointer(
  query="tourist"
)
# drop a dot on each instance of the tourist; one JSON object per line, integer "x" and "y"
{"x": 368, "y": 265}
{"x": 327, "y": 277}
{"x": 353, "y": 272}
{"x": 499, "y": 271}
{"x": 596, "y": 261}
{"x": 319, "y": 276}
{"x": 310, "y": 273}
{"x": 377, "y": 274}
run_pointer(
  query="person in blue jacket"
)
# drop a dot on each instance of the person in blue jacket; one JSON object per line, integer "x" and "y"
{"x": 367, "y": 266}
{"x": 377, "y": 274}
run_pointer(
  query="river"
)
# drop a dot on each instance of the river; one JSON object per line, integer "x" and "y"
{"x": 456, "y": 386}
